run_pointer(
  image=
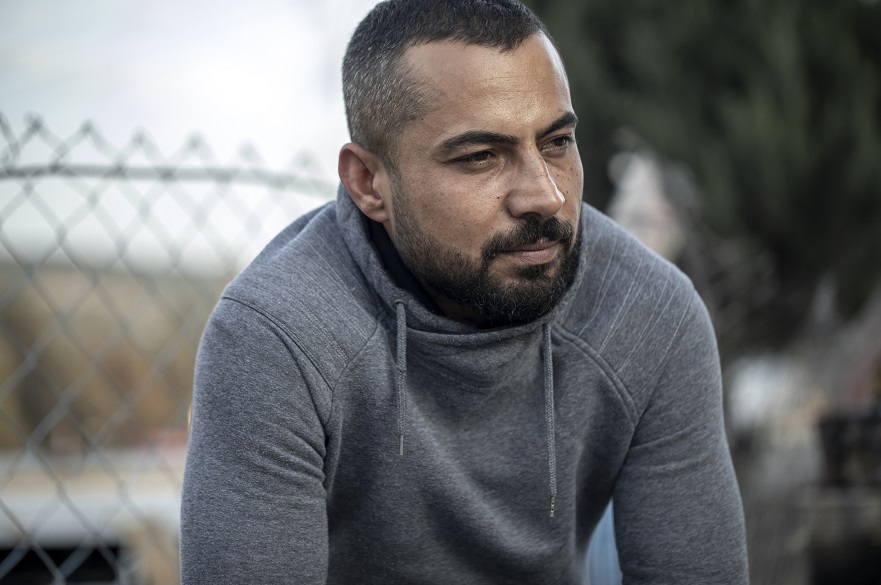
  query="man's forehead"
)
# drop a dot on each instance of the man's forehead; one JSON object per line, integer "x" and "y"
{"x": 448, "y": 60}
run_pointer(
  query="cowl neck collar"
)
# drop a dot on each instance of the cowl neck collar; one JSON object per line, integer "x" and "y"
{"x": 481, "y": 361}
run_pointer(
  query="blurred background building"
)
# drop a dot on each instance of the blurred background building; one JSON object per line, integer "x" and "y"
{"x": 741, "y": 141}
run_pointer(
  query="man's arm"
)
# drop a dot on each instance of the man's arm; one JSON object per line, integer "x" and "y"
{"x": 253, "y": 506}
{"x": 678, "y": 512}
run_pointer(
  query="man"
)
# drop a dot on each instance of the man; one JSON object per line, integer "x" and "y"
{"x": 446, "y": 375}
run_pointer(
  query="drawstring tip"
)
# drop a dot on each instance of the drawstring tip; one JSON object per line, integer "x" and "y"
{"x": 401, "y": 450}
{"x": 553, "y": 503}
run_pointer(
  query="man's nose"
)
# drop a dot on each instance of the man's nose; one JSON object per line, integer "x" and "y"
{"x": 534, "y": 190}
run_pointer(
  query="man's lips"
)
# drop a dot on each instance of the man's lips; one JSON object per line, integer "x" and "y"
{"x": 541, "y": 252}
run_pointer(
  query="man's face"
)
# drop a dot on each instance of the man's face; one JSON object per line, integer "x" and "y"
{"x": 486, "y": 196}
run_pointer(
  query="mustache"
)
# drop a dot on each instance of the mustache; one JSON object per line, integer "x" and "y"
{"x": 530, "y": 231}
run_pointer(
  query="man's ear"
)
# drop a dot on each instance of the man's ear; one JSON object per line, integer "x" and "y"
{"x": 366, "y": 180}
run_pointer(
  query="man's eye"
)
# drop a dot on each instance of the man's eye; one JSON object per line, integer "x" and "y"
{"x": 559, "y": 144}
{"x": 476, "y": 159}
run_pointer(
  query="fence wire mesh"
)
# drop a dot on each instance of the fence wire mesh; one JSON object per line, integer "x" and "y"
{"x": 111, "y": 259}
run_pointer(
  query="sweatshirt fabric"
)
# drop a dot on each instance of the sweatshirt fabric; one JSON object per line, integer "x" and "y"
{"x": 315, "y": 367}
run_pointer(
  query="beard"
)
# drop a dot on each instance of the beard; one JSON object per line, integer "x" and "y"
{"x": 445, "y": 271}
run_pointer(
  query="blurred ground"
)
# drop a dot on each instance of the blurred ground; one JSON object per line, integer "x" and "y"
{"x": 773, "y": 481}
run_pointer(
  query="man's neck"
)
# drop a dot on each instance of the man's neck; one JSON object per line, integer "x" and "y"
{"x": 408, "y": 281}
{"x": 395, "y": 266}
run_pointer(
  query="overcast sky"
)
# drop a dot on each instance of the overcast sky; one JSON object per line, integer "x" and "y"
{"x": 265, "y": 72}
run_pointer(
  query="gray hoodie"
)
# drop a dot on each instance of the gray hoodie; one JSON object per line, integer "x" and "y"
{"x": 344, "y": 433}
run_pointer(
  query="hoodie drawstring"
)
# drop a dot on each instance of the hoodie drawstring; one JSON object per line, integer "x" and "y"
{"x": 547, "y": 358}
{"x": 401, "y": 320}
{"x": 549, "y": 415}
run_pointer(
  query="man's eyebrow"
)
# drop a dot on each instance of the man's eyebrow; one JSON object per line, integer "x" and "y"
{"x": 567, "y": 119}
{"x": 474, "y": 138}
{"x": 479, "y": 137}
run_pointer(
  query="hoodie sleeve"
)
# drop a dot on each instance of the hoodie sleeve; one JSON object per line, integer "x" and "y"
{"x": 253, "y": 506}
{"x": 678, "y": 512}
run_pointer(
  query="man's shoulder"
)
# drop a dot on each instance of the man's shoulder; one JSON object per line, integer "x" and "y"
{"x": 307, "y": 283}
{"x": 631, "y": 304}
{"x": 617, "y": 262}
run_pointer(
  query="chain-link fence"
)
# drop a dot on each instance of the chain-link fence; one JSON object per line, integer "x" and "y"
{"x": 110, "y": 261}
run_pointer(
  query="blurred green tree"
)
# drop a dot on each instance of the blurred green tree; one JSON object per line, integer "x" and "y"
{"x": 776, "y": 108}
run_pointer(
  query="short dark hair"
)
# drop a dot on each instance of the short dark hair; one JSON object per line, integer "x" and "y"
{"x": 381, "y": 96}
